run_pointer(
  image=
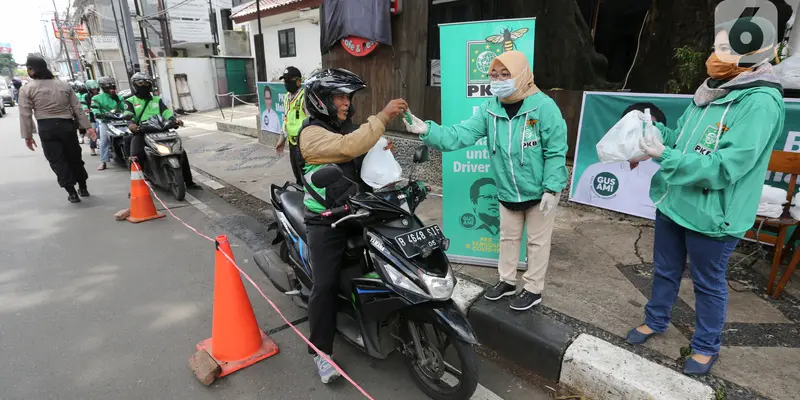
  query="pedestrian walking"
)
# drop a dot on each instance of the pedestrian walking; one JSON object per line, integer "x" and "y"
{"x": 58, "y": 115}
{"x": 527, "y": 141}
{"x": 708, "y": 189}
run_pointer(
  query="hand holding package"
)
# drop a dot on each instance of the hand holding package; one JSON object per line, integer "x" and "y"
{"x": 379, "y": 168}
{"x": 621, "y": 142}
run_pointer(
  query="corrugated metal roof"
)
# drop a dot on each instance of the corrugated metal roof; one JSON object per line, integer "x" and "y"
{"x": 248, "y": 12}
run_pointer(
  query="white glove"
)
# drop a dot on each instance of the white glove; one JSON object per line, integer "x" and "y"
{"x": 417, "y": 125}
{"x": 651, "y": 146}
{"x": 549, "y": 202}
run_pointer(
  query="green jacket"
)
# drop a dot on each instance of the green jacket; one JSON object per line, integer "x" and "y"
{"x": 155, "y": 106}
{"x": 711, "y": 176}
{"x": 82, "y": 100}
{"x": 527, "y": 153}
{"x": 103, "y": 103}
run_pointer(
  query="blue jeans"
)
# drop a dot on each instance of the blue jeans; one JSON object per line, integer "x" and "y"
{"x": 105, "y": 141}
{"x": 709, "y": 261}
{"x": 93, "y": 143}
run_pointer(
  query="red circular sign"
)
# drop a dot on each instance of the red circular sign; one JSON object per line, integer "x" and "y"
{"x": 358, "y": 46}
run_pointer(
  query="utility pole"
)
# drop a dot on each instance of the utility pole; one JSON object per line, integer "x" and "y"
{"x": 261, "y": 64}
{"x": 212, "y": 21}
{"x": 126, "y": 61}
{"x": 143, "y": 34}
{"x": 63, "y": 42}
{"x": 130, "y": 40}
{"x": 166, "y": 37}
{"x": 91, "y": 42}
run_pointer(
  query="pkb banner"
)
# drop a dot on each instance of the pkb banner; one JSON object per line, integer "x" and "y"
{"x": 619, "y": 187}
{"x": 270, "y": 106}
{"x": 471, "y": 212}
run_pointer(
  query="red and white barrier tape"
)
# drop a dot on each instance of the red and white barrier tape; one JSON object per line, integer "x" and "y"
{"x": 244, "y": 274}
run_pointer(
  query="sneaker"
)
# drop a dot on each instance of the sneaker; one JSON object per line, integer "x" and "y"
{"x": 525, "y": 300}
{"x": 500, "y": 290}
{"x": 73, "y": 198}
{"x": 83, "y": 192}
{"x": 101, "y": 167}
{"x": 326, "y": 371}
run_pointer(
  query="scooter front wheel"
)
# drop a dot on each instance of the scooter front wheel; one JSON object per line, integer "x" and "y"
{"x": 175, "y": 179}
{"x": 435, "y": 374}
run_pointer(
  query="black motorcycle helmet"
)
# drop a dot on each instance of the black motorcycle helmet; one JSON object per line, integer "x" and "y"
{"x": 320, "y": 88}
{"x": 141, "y": 84}
{"x": 106, "y": 83}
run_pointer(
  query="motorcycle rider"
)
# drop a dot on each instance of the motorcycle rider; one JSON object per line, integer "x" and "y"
{"x": 141, "y": 106}
{"x": 328, "y": 136}
{"x": 80, "y": 91}
{"x": 92, "y": 89}
{"x": 103, "y": 106}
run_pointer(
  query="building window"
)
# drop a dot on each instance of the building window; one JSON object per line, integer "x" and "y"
{"x": 286, "y": 43}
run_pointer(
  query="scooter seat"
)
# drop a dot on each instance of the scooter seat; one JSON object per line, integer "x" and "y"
{"x": 295, "y": 211}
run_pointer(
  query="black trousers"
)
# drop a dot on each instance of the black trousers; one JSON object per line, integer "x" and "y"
{"x": 137, "y": 150}
{"x": 327, "y": 251}
{"x": 61, "y": 148}
{"x": 297, "y": 163}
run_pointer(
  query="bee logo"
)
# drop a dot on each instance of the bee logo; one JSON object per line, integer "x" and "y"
{"x": 507, "y": 38}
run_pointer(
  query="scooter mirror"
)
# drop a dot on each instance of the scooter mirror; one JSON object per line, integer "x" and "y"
{"x": 421, "y": 155}
{"x": 326, "y": 176}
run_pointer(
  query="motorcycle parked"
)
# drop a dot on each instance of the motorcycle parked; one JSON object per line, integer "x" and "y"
{"x": 395, "y": 284}
{"x": 164, "y": 152}
{"x": 120, "y": 137}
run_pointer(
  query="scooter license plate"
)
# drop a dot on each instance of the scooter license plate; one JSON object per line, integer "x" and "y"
{"x": 162, "y": 135}
{"x": 411, "y": 243}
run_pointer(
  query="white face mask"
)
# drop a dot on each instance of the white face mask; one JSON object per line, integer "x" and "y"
{"x": 503, "y": 89}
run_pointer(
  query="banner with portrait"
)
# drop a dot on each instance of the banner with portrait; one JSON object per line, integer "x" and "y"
{"x": 270, "y": 106}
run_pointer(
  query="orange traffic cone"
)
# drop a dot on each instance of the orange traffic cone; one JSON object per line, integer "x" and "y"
{"x": 236, "y": 341}
{"x": 142, "y": 207}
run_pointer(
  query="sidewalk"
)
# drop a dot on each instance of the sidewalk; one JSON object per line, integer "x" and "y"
{"x": 598, "y": 283}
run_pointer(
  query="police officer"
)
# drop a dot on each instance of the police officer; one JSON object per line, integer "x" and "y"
{"x": 58, "y": 115}
{"x": 143, "y": 105}
{"x": 293, "y": 117}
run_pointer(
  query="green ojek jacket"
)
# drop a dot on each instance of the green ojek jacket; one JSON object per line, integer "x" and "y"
{"x": 103, "y": 103}
{"x": 142, "y": 109}
{"x": 713, "y": 167}
{"x": 527, "y": 153}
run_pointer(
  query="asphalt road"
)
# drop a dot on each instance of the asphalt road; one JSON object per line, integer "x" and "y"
{"x": 91, "y": 308}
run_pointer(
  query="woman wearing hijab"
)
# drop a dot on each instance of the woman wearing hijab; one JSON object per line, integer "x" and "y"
{"x": 58, "y": 115}
{"x": 707, "y": 190}
{"x": 527, "y": 142}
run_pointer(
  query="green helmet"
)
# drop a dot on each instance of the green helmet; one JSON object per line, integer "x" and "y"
{"x": 92, "y": 84}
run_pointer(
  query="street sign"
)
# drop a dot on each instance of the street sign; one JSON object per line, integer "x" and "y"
{"x": 66, "y": 29}
{"x": 105, "y": 42}
{"x": 184, "y": 30}
{"x": 188, "y": 9}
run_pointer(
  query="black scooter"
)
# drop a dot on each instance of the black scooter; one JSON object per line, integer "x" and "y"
{"x": 120, "y": 137}
{"x": 164, "y": 152}
{"x": 395, "y": 285}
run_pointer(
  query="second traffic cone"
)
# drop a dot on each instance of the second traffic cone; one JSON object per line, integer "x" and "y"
{"x": 142, "y": 207}
{"x": 236, "y": 340}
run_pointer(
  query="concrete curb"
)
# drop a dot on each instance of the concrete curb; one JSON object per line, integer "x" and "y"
{"x": 585, "y": 364}
{"x": 227, "y": 126}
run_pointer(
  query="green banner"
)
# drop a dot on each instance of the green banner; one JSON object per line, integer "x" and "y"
{"x": 270, "y": 106}
{"x": 616, "y": 186}
{"x": 471, "y": 212}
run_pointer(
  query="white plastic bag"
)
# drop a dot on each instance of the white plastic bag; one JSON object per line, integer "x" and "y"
{"x": 621, "y": 142}
{"x": 788, "y": 72}
{"x": 379, "y": 168}
{"x": 773, "y": 195}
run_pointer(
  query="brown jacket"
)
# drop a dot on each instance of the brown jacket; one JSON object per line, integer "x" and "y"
{"x": 320, "y": 146}
{"x": 48, "y": 98}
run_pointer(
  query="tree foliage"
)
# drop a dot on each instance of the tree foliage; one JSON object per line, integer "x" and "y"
{"x": 7, "y": 64}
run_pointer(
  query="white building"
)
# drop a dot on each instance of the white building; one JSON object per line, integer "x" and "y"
{"x": 290, "y": 30}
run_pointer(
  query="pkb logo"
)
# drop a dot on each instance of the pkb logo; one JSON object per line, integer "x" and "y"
{"x": 479, "y": 59}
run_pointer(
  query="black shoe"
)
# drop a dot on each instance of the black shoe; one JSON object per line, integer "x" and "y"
{"x": 84, "y": 192}
{"x": 525, "y": 300}
{"x": 73, "y": 198}
{"x": 193, "y": 186}
{"x": 500, "y": 290}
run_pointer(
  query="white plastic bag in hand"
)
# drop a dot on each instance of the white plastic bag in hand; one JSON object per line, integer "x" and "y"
{"x": 621, "y": 142}
{"x": 379, "y": 167}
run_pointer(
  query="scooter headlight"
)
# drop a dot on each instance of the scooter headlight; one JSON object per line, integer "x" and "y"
{"x": 401, "y": 281}
{"x": 163, "y": 149}
{"x": 439, "y": 288}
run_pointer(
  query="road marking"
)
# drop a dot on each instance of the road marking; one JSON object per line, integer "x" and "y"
{"x": 208, "y": 181}
{"x": 201, "y": 135}
{"x": 202, "y": 207}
